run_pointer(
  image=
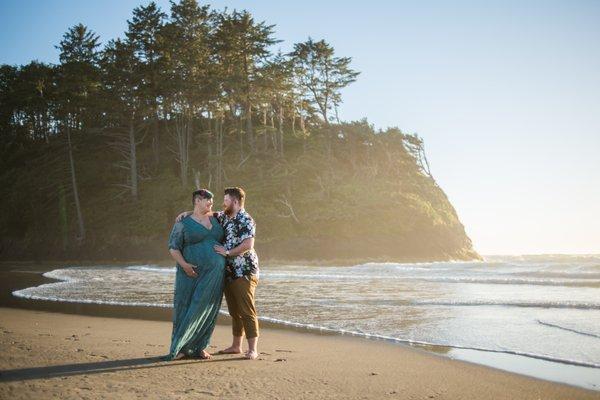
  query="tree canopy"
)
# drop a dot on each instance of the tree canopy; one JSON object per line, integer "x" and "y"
{"x": 108, "y": 143}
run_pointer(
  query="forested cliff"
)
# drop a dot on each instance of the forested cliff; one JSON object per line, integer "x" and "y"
{"x": 101, "y": 151}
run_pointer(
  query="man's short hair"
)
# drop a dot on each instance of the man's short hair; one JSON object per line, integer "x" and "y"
{"x": 237, "y": 193}
{"x": 201, "y": 193}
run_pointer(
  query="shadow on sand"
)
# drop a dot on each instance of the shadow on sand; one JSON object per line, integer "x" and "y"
{"x": 98, "y": 367}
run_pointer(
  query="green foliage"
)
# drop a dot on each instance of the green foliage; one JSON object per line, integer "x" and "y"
{"x": 322, "y": 75}
{"x": 113, "y": 135}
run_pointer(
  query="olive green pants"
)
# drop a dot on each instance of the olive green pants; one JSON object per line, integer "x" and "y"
{"x": 240, "y": 302}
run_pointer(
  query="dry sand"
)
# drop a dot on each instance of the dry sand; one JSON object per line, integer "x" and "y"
{"x": 63, "y": 356}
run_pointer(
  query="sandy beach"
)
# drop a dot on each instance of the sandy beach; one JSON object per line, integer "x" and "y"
{"x": 55, "y": 355}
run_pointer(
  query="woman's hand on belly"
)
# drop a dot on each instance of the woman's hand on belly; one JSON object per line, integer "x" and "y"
{"x": 189, "y": 270}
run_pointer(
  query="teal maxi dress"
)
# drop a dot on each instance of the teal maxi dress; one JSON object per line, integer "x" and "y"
{"x": 196, "y": 300}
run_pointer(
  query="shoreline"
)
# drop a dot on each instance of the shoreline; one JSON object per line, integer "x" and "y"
{"x": 49, "y": 354}
{"x": 551, "y": 371}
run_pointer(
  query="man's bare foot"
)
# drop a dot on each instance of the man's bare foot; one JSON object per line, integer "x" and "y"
{"x": 251, "y": 355}
{"x": 231, "y": 350}
{"x": 204, "y": 355}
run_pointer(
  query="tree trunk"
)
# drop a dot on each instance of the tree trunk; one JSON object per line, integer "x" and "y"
{"x": 183, "y": 129}
{"x": 80, "y": 224}
{"x": 155, "y": 141}
{"x": 293, "y": 122}
{"x": 133, "y": 159}
{"x": 210, "y": 158}
{"x": 280, "y": 131}
{"x": 249, "y": 128}
{"x": 62, "y": 212}
{"x": 219, "y": 152}
{"x": 424, "y": 156}
{"x": 273, "y": 133}
{"x": 241, "y": 140}
{"x": 303, "y": 127}
{"x": 265, "y": 148}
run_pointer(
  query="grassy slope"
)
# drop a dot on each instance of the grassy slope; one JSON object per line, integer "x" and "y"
{"x": 357, "y": 203}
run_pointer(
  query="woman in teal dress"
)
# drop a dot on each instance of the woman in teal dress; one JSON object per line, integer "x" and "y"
{"x": 198, "y": 280}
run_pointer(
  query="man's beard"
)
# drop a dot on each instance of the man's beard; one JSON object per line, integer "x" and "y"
{"x": 228, "y": 210}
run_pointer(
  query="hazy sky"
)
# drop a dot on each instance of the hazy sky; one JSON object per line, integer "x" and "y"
{"x": 505, "y": 94}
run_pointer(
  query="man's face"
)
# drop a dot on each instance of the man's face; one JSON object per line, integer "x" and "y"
{"x": 229, "y": 204}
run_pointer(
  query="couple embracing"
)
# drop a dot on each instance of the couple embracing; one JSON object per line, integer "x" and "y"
{"x": 215, "y": 254}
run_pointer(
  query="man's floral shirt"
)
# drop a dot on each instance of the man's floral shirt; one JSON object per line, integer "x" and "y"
{"x": 237, "y": 229}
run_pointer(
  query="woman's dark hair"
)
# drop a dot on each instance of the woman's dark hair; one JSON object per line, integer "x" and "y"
{"x": 237, "y": 193}
{"x": 203, "y": 194}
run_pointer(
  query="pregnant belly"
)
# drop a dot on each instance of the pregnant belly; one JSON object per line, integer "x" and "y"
{"x": 203, "y": 255}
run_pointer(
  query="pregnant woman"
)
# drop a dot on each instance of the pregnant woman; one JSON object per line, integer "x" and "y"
{"x": 198, "y": 280}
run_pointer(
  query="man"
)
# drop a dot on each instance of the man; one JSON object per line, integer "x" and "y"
{"x": 241, "y": 270}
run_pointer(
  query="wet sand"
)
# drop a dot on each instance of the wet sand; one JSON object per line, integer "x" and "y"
{"x": 113, "y": 352}
{"x": 54, "y": 355}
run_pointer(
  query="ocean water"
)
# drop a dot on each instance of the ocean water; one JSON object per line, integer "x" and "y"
{"x": 542, "y": 307}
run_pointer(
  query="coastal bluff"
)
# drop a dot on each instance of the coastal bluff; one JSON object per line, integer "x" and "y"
{"x": 346, "y": 193}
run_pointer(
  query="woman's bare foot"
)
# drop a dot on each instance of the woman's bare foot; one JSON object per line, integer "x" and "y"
{"x": 231, "y": 350}
{"x": 204, "y": 355}
{"x": 251, "y": 355}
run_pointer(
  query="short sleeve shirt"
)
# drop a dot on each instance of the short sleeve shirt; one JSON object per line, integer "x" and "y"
{"x": 237, "y": 229}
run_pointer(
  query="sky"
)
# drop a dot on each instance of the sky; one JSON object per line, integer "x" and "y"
{"x": 505, "y": 94}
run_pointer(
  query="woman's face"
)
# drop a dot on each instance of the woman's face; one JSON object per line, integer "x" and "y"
{"x": 205, "y": 205}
